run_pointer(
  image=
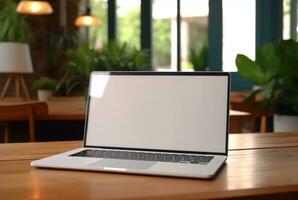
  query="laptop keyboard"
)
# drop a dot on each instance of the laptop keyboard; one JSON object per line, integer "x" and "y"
{"x": 136, "y": 155}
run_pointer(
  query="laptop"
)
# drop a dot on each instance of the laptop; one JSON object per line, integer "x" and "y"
{"x": 153, "y": 123}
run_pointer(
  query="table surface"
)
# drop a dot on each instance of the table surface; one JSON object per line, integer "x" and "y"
{"x": 60, "y": 108}
{"x": 244, "y": 141}
{"x": 74, "y": 108}
{"x": 258, "y": 165}
{"x": 67, "y": 108}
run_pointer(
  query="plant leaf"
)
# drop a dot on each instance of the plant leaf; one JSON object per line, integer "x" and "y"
{"x": 268, "y": 61}
{"x": 250, "y": 69}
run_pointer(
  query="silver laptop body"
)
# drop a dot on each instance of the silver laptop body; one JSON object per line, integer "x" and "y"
{"x": 154, "y": 123}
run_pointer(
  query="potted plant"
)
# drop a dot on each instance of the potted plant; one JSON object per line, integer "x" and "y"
{"x": 14, "y": 38}
{"x": 275, "y": 73}
{"x": 14, "y": 28}
{"x": 45, "y": 87}
{"x": 112, "y": 57}
{"x": 199, "y": 58}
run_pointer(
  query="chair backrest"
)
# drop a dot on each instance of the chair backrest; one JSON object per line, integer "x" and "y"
{"x": 23, "y": 111}
{"x": 238, "y": 103}
{"x": 29, "y": 111}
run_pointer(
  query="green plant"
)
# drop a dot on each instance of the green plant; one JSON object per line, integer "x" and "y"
{"x": 275, "y": 72}
{"x": 14, "y": 27}
{"x": 112, "y": 57}
{"x": 121, "y": 57}
{"x": 162, "y": 42}
{"x": 82, "y": 62}
{"x": 45, "y": 83}
{"x": 198, "y": 59}
{"x": 58, "y": 46}
{"x": 129, "y": 28}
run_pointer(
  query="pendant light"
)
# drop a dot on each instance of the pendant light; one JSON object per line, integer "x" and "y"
{"x": 87, "y": 19}
{"x": 34, "y": 7}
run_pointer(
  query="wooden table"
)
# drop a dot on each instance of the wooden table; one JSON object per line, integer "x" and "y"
{"x": 259, "y": 166}
{"x": 67, "y": 108}
{"x": 60, "y": 108}
{"x": 237, "y": 118}
{"x": 74, "y": 108}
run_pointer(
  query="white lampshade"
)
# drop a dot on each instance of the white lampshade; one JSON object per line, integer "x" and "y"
{"x": 15, "y": 58}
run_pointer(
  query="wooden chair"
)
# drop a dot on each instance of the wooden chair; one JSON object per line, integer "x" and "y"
{"x": 25, "y": 111}
{"x": 237, "y": 103}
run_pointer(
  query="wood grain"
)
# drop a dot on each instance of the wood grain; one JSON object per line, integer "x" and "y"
{"x": 20, "y": 111}
{"x": 60, "y": 108}
{"x": 236, "y": 142}
{"x": 262, "y": 140}
{"x": 32, "y": 151}
{"x": 67, "y": 108}
{"x": 27, "y": 111}
{"x": 24, "y": 87}
{"x": 248, "y": 173}
{"x": 6, "y": 84}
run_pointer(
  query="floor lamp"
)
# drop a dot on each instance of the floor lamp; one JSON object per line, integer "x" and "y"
{"x": 15, "y": 61}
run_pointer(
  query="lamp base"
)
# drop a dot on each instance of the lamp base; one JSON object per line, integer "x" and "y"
{"x": 20, "y": 86}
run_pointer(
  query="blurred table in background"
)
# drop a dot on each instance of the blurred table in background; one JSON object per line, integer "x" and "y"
{"x": 74, "y": 108}
{"x": 258, "y": 117}
{"x": 67, "y": 108}
{"x": 64, "y": 120}
{"x": 60, "y": 108}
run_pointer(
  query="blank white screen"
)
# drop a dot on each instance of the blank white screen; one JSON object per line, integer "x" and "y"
{"x": 187, "y": 113}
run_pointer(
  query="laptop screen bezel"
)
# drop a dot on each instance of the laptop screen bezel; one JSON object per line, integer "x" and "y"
{"x": 135, "y": 73}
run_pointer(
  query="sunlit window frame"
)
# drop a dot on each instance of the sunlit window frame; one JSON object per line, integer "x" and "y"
{"x": 214, "y": 32}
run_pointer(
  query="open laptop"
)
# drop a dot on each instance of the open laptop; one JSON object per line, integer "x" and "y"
{"x": 154, "y": 123}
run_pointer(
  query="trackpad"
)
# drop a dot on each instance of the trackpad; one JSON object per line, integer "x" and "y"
{"x": 123, "y": 164}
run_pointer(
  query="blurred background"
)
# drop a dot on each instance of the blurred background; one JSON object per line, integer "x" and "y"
{"x": 62, "y": 41}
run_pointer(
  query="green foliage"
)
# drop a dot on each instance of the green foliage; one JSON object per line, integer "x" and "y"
{"x": 275, "y": 71}
{"x": 115, "y": 57}
{"x": 162, "y": 42}
{"x": 129, "y": 28}
{"x": 14, "y": 27}
{"x": 198, "y": 59}
{"x": 45, "y": 83}
{"x": 259, "y": 71}
{"x": 82, "y": 62}
{"x": 287, "y": 100}
{"x": 112, "y": 57}
{"x": 99, "y": 33}
{"x": 58, "y": 47}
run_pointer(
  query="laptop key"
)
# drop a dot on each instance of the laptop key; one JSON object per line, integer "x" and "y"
{"x": 177, "y": 158}
{"x": 135, "y": 155}
{"x": 150, "y": 157}
{"x": 185, "y": 158}
{"x": 194, "y": 159}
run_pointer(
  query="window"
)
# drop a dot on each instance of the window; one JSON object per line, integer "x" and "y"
{"x": 98, "y": 34}
{"x": 286, "y": 19}
{"x": 128, "y": 20}
{"x": 194, "y": 30}
{"x": 290, "y": 18}
{"x": 230, "y": 31}
{"x": 164, "y": 35}
{"x": 238, "y": 31}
